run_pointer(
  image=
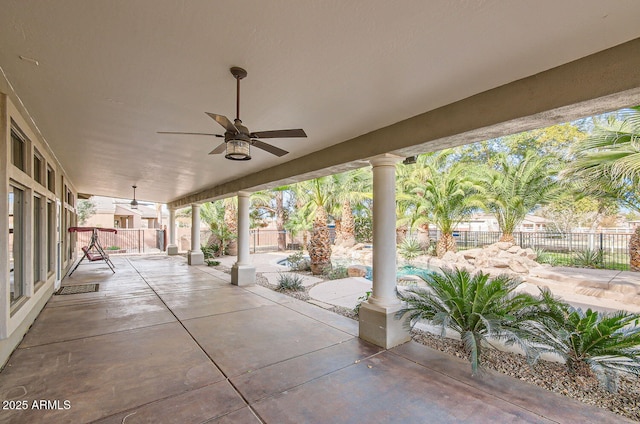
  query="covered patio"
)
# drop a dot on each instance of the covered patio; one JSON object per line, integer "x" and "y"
{"x": 165, "y": 342}
{"x": 91, "y": 96}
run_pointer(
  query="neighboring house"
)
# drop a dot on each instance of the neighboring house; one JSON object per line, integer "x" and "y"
{"x": 488, "y": 222}
{"x": 117, "y": 213}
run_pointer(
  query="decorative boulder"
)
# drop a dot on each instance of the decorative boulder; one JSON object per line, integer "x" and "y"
{"x": 518, "y": 267}
{"x": 513, "y": 249}
{"x": 450, "y": 257}
{"x": 356, "y": 271}
{"x": 503, "y": 245}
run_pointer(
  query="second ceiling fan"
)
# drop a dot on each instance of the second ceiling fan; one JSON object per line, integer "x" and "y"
{"x": 237, "y": 138}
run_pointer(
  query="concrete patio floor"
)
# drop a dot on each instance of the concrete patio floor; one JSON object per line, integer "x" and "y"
{"x": 165, "y": 342}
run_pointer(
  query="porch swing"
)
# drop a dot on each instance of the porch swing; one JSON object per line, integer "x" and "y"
{"x": 94, "y": 252}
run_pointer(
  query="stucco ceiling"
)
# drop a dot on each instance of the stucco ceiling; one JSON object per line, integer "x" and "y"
{"x": 112, "y": 73}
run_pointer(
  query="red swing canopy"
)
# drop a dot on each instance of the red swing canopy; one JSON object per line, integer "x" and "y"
{"x": 91, "y": 229}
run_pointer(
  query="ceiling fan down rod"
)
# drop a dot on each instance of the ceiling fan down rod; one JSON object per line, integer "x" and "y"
{"x": 238, "y": 73}
{"x": 238, "y": 99}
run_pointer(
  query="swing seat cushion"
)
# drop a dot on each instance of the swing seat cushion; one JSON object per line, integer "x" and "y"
{"x": 92, "y": 256}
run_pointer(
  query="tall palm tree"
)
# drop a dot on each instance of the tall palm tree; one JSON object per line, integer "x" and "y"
{"x": 513, "y": 188}
{"x": 607, "y": 164}
{"x": 230, "y": 220}
{"x": 446, "y": 188}
{"x": 412, "y": 211}
{"x": 316, "y": 196}
{"x": 278, "y": 194}
{"x": 350, "y": 188}
{"x": 300, "y": 221}
{"x": 213, "y": 213}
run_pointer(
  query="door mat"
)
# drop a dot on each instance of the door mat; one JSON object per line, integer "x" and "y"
{"x": 77, "y": 289}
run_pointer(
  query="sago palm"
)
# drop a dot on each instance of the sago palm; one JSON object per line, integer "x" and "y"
{"x": 514, "y": 187}
{"x": 477, "y": 307}
{"x": 605, "y": 343}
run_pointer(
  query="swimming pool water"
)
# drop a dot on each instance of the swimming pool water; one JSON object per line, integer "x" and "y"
{"x": 402, "y": 271}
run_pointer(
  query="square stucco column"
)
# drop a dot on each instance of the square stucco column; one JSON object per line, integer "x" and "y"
{"x": 172, "y": 247}
{"x": 377, "y": 321}
{"x": 195, "y": 255}
{"x": 243, "y": 273}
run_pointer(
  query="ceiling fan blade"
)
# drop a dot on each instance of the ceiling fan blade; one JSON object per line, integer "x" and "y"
{"x": 279, "y": 134}
{"x": 269, "y": 148}
{"x": 220, "y": 149}
{"x": 189, "y": 133}
{"x": 224, "y": 121}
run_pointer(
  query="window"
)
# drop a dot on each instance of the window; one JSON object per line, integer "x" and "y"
{"x": 51, "y": 236}
{"x": 38, "y": 238}
{"x": 18, "y": 150}
{"x": 16, "y": 243}
{"x": 70, "y": 198}
{"x": 38, "y": 168}
{"x": 51, "y": 179}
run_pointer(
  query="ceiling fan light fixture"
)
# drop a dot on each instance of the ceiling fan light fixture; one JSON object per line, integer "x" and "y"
{"x": 238, "y": 149}
{"x": 134, "y": 202}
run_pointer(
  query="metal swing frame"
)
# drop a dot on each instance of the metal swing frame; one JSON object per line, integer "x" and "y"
{"x": 94, "y": 252}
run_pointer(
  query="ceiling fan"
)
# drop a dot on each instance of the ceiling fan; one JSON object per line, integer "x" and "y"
{"x": 237, "y": 138}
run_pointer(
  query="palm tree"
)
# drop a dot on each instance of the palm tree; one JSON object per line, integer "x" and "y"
{"x": 513, "y": 188}
{"x": 316, "y": 196}
{"x": 350, "y": 188}
{"x": 476, "y": 307}
{"x": 446, "y": 189}
{"x": 300, "y": 221}
{"x": 607, "y": 163}
{"x": 412, "y": 211}
{"x": 230, "y": 221}
{"x": 280, "y": 217}
{"x": 213, "y": 214}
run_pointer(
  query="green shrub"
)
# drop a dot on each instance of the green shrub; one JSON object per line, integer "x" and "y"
{"x": 363, "y": 228}
{"x": 297, "y": 262}
{"x": 410, "y": 249}
{"x": 475, "y": 306}
{"x": 210, "y": 251}
{"x": 211, "y": 262}
{"x": 589, "y": 258}
{"x": 289, "y": 282}
{"x": 361, "y": 299}
{"x": 336, "y": 272}
{"x": 544, "y": 257}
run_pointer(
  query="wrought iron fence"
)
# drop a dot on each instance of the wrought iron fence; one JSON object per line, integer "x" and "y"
{"x": 598, "y": 250}
{"x": 127, "y": 240}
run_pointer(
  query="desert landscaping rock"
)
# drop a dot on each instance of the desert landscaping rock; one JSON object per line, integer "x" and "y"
{"x": 356, "y": 271}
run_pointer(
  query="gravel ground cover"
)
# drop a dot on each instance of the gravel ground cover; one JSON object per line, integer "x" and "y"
{"x": 552, "y": 376}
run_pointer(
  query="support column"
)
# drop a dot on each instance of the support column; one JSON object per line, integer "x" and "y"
{"x": 378, "y": 324}
{"x": 172, "y": 247}
{"x": 243, "y": 273}
{"x": 195, "y": 255}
